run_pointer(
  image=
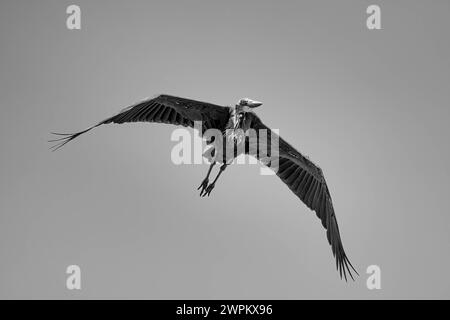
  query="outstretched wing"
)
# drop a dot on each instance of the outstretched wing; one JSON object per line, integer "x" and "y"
{"x": 162, "y": 109}
{"x": 306, "y": 180}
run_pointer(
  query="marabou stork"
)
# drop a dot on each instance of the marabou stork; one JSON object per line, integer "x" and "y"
{"x": 303, "y": 177}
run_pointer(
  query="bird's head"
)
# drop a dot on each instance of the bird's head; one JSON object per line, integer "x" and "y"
{"x": 246, "y": 102}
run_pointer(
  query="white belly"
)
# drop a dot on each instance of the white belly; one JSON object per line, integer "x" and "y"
{"x": 224, "y": 150}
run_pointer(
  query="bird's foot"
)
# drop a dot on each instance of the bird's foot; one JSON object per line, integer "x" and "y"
{"x": 203, "y": 186}
{"x": 208, "y": 190}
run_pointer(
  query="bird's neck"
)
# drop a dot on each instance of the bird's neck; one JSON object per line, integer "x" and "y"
{"x": 237, "y": 116}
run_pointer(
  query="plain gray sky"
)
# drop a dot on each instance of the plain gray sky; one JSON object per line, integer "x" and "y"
{"x": 371, "y": 108}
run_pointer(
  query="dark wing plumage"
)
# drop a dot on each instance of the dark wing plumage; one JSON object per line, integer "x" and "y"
{"x": 162, "y": 109}
{"x": 306, "y": 180}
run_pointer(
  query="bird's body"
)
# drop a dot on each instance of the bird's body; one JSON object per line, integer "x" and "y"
{"x": 233, "y": 135}
{"x": 230, "y": 127}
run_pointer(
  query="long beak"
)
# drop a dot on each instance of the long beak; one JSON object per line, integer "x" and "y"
{"x": 254, "y": 104}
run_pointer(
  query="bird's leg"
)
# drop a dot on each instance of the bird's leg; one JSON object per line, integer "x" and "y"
{"x": 211, "y": 186}
{"x": 205, "y": 181}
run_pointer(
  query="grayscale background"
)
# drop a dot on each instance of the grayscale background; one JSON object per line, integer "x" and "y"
{"x": 371, "y": 108}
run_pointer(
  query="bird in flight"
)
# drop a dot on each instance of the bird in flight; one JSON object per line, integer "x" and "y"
{"x": 301, "y": 175}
